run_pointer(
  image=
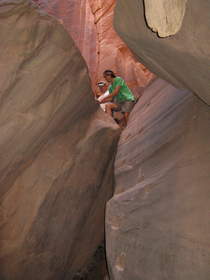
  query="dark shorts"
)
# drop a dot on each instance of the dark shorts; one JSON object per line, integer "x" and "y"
{"x": 124, "y": 107}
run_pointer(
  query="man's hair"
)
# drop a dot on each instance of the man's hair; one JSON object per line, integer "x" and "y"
{"x": 109, "y": 73}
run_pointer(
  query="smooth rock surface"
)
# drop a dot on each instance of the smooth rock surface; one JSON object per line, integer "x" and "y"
{"x": 78, "y": 19}
{"x": 165, "y": 17}
{"x": 157, "y": 223}
{"x": 54, "y": 178}
{"x": 182, "y": 59}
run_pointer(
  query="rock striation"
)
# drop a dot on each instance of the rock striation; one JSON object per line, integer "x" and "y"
{"x": 157, "y": 224}
{"x": 182, "y": 59}
{"x": 54, "y": 179}
{"x": 113, "y": 52}
{"x": 78, "y": 19}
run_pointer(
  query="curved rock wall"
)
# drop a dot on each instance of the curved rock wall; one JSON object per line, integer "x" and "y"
{"x": 54, "y": 180}
{"x": 182, "y": 59}
{"x": 78, "y": 19}
{"x": 157, "y": 224}
{"x": 90, "y": 23}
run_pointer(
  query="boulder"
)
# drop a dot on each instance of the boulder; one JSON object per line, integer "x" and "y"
{"x": 184, "y": 58}
{"x": 56, "y": 150}
{"x": 165, "y": 16}
{"x": 157, "y": 223}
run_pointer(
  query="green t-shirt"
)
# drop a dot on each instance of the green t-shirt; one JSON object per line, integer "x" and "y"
{"x": 125, "y": 93}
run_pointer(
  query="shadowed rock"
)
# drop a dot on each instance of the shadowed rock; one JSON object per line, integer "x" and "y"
{"x": 182, "y": 59}
{"x": 158, "y": 220}
{"x": 56, "y": 150}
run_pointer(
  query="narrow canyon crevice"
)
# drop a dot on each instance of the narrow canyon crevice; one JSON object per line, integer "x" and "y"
{"x": 69, "y": 178}
{"x": 90, "y": 23}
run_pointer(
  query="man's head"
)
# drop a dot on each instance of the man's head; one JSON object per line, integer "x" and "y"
{"x": 102, "y": 86}
{"x": 109, "y": 75}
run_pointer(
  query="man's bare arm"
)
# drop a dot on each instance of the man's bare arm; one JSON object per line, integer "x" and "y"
{"x": 113, "y": 94}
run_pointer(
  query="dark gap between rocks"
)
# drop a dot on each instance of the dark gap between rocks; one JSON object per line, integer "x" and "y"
{"x": 97, "y": 269}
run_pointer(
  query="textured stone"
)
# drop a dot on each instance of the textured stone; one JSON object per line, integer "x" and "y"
{"x": 54, "y": 179}
{"x": 165, "y": 16}
{"x": 157, "y": 223}
{"x": 182, "y": 59}
{"x": 78, "y": 19}
{"x": 112, "y": 51}
{"x": 90, "y": 23}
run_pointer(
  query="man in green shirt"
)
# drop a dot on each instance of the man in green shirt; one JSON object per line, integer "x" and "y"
{"x": 119, "y": 93}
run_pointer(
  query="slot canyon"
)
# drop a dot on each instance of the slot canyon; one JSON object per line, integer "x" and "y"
{"x": 82, "y": 199}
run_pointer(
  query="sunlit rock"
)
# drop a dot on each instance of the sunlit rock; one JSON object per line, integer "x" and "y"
{"x": 90, "y": 23}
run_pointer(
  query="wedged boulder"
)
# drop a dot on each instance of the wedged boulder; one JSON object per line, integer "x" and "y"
{"x": 157, "y": 224}
{"x": 184, "y": 58}
{"x": 56, "y": 150}
{"x": 165, "y": 16}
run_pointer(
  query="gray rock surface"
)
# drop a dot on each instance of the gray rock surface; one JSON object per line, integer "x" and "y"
{"x": 54, "y": 178}
{"x": 182, "y": 59}
{"x": 157, "y": 224}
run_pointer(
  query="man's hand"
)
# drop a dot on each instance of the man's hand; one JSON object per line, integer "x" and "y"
{"x": 111, "y": 95}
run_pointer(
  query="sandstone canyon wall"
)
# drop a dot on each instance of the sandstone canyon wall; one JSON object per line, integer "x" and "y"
{"x": 54, "y": 180}
{"x": 78, "y": 19}
{"x": 157, "y": 223}
{"x": 184, "y": 58}
{"x": 90, "y": 23}
{"x": 112, "y": 51}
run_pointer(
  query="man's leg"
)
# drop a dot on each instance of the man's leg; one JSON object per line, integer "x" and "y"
{"x": 123, "y": 122}
{"x": 126, "y": 117}
{"x": 127, "y": 108}
{"x": 110, "y": 107}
